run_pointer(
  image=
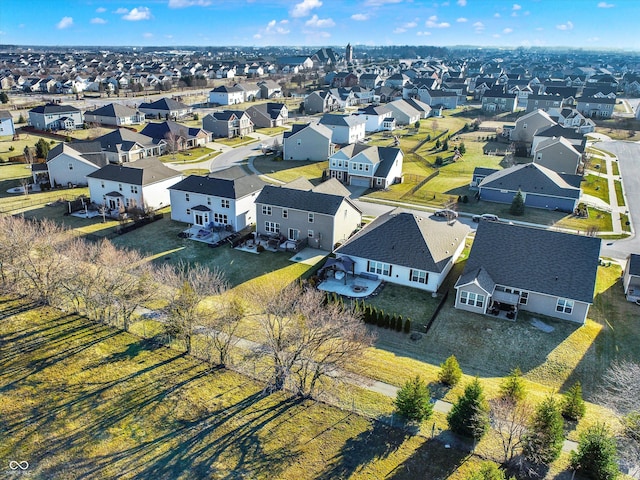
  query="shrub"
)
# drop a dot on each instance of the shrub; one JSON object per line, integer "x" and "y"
{"x": 450, "y": 371}
{"x": 512, "y": 387}
{"x": 439, "y": 161}
{"x": 573, "y": 406}
{"x": 387, "y": 321}
{"x": 407, "y": 326}
{"x": 259, "y": 248}
{"x": 399, "y": 323}
{"x": 392, "y": 323}
{"x": 380, "y": 318}
{"x": 413, "y": 400}
{"x": 596, "y": 454}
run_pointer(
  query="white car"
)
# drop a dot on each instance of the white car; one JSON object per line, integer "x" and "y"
{"x": 446, "y": 212}
{"x": 486, "y": 216}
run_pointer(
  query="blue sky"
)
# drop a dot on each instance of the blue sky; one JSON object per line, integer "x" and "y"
{"x": 571, "y": 23}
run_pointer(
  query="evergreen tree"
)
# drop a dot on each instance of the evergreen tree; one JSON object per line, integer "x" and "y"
{"x": 380, "y": 318}
{"x": 392, "y": 322}
{"x": 469, "y": 415}
{"x": 544, "y": 441}
{"x": 407, "y": 326}
{"x": 512, "y": 387}
{"x": 4, "y": 98}
{"x": 488, "y": 471}
{"x": 42, "y": 148}
{"x": 573, "y": 406}
{"x": 445, "y": 145}
{"x": 596, "y": 456}
{"x": 387, "y": 321}
{"x": 450, "y": 371}
{"x": 438, "y": 144}
{"x": 517, "y": 204}
{"x": 21, "y": 119}
{"x": 413, "y": 400}
{"x": 399, "y": 323}
{"x": 462, "y": 149}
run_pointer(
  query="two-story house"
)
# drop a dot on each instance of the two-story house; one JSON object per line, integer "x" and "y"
{"x": 228, "y": 123}
{"x": 56, "y": 117}
{"x": 177, "y": 136}
{"x": 70, "y": 163}
{"x": 321, "y": 216}
{"x": 311, "y": 142}
{"x": 123, "y": 145}
{"x": 225, "y": 197}
{"x": 225, "y": 95}
{"x": 345, "y": 128}
{"x": 6, "y": 124}
{"x": 367, "y": 166}
{"x": 114, "y": 114}
{"x": 141, "y": 184}
{"x": 165, "y": 108}
{"x": 268, "y": 115}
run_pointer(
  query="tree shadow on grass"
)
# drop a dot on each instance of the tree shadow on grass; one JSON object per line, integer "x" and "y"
{"x": 372, "y": 445}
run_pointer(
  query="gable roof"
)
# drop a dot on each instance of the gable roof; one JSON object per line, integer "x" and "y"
{"x": 141, "y": 172}
{"x": 168, "y": 104}
{"x": 315, "y": 127}
{"x": 124, "y": 139}
{"x": 51, "y": 108}
{"x": 537, "y": 260}
{"x": 221, "y": 184}
{"x": 634, "y": 264}
{"x": 114, "y": 110}
{"x": 531, "y": 178}
{"x": 87, "y": 151}
{"x": 341, "y": 120}
{"x": 306, "y": 200}
{"x": 226, "y": 89}
{"x": 403, "y": 238}
{"x": 161, "y": 130}
{"x": 559, "y": 131}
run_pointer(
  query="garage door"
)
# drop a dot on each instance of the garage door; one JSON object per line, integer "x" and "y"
{"x": 360, "y": 182}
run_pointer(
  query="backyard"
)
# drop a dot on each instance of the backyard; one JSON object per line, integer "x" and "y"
{"x": 288, "y": 170}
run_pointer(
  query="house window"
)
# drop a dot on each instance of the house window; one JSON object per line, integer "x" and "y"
{"x": 299, "y": 142}
{"x": 266, "y": 209}
{"x": 134, "y": 189}
{"x": 220, "y": 218}
{"x": 285, "y": 213}
{"x": 188, "y": 211}
{"x": 564, "y": 305}
{"x": 472, "y": 299}
{"x": 208, "y": 200}
{"x": 359, "y": 166}
{"x": 310, "y": 233}
{"x": 272, "y": 227}
{"x": 71, "y": 166}
{"x": 186, "y": 197}
{"x": 419, "y": 276}
{"x": 225, "y": 203}
{"x": 524, "y": 298}
{"x": 379, "y": 181}
{"x": 311, "y": 218}
{"x": 294, "y": 234}
{"x": 120, "y": 186}
{"x": 366, "y": 168}
{"x": 379, "y": 268}
{"x": 102, "y": 184}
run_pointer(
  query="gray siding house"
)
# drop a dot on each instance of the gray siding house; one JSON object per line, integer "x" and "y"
{"x": 311, "y": 142}
{"x": 299, "y": 213}
{"x": 513, "y": 267}
{"x": 228, "y": 123}
{"x": 56, "y": 117}
{"x": 267, "y": 115}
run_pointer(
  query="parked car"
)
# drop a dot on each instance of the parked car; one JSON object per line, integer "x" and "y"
{"x": 446, "y": 212}
{"x": 486, "y": 216}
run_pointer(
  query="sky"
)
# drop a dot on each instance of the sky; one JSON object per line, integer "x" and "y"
{"x": 587, "y": 24}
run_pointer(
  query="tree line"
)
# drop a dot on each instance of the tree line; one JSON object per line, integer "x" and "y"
{"x": 301, "y": 341}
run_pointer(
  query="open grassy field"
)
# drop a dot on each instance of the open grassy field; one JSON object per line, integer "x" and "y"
{"x": 24, "y": 140}
{"x": 87, "y": 401}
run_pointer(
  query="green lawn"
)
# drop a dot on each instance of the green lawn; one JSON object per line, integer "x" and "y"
{"x": 411, "y": 303}
{"x": 288, "y": 170}
{"x": 619, "y": 195}
{"x": 198, "y": 154}
{"x": 25, "y": 139}
{"x": 616, "y": 170}
{"x": 86, "y": 401}
{"x": 272, "y": 132}
{"x": 19, "y": 203}
{"x": 596, "y": 186}
{"x": 235, "y": 141}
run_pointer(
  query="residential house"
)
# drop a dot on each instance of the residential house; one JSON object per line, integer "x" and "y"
{"x": 397, "y": 81}
{"x": 56, "y": 117}
{"x": 321, "y": 101}
{"x": 513, "y": 267}
{"x": 6, "y": 124}
{"x": 250, "y": 91}
{"x": 177, "y": 136}
{"x": 631, "y": 278}
{"x": 362, "y": 95}
{"x": 294, "y": 64}
{"x": 320, "y": 217}
{"x": 545, "y": 102}
{"x": 268, "y": 115}
{"x": 572, "y": 118}
{"x": 527, "y": 125}
{"x": 70, "y": 163}
{"x": 310, "y": 142}
{"x": 479, "y": 174}
{"x": 497, "y": 100}
{"x": 596, "y": 107}
{"x": 577, "y": 139}
{"x": 378, "y": 118}
{"x": 345, "y": 128}
{"x": 369, "y": 80}
{"x": 540, "y": 186}
{"x": 123, "y": 145}
{"x": 559, "y": 155}
{"x": 344, "y": 79}
{"x": 228, "y": 123}
{"x": 141, "y": 184}
{"x": 406, "y": 249}
{"x": 114, "y": 114}
{"x": 270, "y": 89}
{"x": 404, "y": 112}
{"x": 224, "y": 95}
{"x": 423, "y": 108}
{"x": 367, "y": 166}
{"x": 225, "y": 197}
{"x": 166, "y": 108}
{"x": 438, "y": 98}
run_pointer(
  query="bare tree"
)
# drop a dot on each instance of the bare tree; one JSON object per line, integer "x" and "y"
{"x": 510, "y": 419}
{"x": 305, "y": 340}
{"x": 175, "y": 142}
{"x": 187, "y": 288}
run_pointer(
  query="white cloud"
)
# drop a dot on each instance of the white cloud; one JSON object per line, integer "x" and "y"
{"x": 605, "y": 5}
{"x": 101, "y": 10}
{"x": 496, "y": 35}
{"x": 137, "y": 14}
{"x": 593, "y": 39}
{"x": 565, "y": 26}
{"x": 420, "y": 34}
{"x": 379, "y": 3}
{"x": 274, "y": 28}
{"x": 517, "y": 7}
{"x": 399, "y": 30}
{"x": 188, "y": 3}
{"x": 462, "y": 3}
{"x": 359, "y": 17}
{"x": 304, "y": 8}
{"x": 461, "y": 20}
{"x": 98, "y": 21}
{"x": 432, "y": 22}
{"x": 147, "y": 35}
{"x": 315, "y": 22}
{"x": 121, "y": 11}
{"x": 496, "y": 15}
{"x": 478, "y": 25}
{"x": 507, "y": 30}
{"x": 168, "y": 36}
{"x": 66, "y": 22}
{"x": 257, "y": 36}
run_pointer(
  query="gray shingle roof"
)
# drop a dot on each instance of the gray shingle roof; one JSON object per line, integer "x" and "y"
{"x": 167, "y": 104}
{"x": 531, "y": 178}
{"x": 634, "y": 264}
{"x": 113, "y": 110}
{"x": 218, "y": 186}
{"x": 407, "y": 239}
{"x": 536, "y": 260}
{"x": 341, "y": 120}
{"x": 141, "y": 172}
{"x": 305, "y": 200}
{"x": 54, "y": 108}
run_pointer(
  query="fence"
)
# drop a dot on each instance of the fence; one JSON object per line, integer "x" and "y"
{"x": 435, "y": 313}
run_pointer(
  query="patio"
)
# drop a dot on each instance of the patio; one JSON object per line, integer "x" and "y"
{"x": 504, "y": 305}
{"x": 215, "y": 236}
{"x": 349, "y": 285}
